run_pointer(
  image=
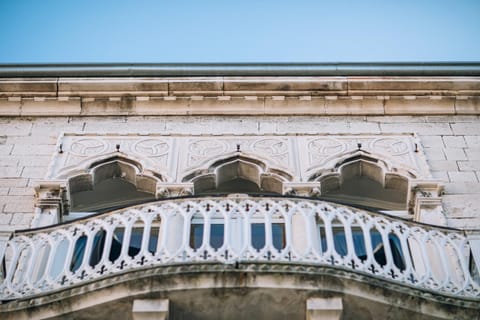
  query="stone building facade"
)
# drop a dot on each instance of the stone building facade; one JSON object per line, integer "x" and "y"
{"x": 381, "y": 165}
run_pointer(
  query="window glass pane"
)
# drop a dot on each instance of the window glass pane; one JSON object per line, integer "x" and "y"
{"x": 258, "y": 235}
{"x": 135, "y": 241}
{"x": 116, "y": 248}
{"x": 377, "y": 247}
{"x": 323, "y": 238}
{"x": 153, "y": 241}
{"x": 196, "y": 235}
{"x": 474, "y": 270}
{"x": 78, "y": 253}
{"x": 340, "y": 245}
{"x": 278, "y": 235}
{"x": 216, "y": 235}
{"x": 97, "y": 250}
{"x": 340, "y": 241}
{"x": 359, "y": 244}
{"x": 397, "y": 253}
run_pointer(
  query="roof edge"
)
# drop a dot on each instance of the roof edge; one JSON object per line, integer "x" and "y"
{"x": 241, "y": 69}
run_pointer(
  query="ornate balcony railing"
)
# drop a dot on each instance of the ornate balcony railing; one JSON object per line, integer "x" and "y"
{"x": 238, "y": 229}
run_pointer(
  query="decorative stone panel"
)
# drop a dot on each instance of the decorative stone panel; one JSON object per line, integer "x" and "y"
{"x": 175, "y": 156}
{"x": 304, "y": 162}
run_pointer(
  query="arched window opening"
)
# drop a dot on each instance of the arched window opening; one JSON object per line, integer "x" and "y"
{"x": 238, "y": 175}
{"x": 365, "y": 183}
{"x": 109, "y": 185}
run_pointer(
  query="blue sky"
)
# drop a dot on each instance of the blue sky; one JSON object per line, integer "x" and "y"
{"x": 239, "y": 31}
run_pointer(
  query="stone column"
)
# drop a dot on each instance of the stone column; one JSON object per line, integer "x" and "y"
{"x": 150, "y": 309}
{"x": 324, "y": 308}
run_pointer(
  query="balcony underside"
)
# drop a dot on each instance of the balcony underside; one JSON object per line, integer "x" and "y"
{"x": 254, "y": 290}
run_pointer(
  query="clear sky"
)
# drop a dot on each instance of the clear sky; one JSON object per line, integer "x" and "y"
{"x": 238, "y": 31}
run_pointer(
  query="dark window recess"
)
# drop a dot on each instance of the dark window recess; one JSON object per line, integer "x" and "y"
{"x": 378, "y": 249}
{"x": 216, "y": 235}
{"x": 116, "y": 246}
{"x": 474, "y": 269}
{"x": 258, "y": 235}
{"x": 278, "y": 236}
{"x": 196, "y": 235}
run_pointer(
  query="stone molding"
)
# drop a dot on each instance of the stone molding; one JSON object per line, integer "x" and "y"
{"x": 328, "y": 280}
{"x": 239, "y": 96}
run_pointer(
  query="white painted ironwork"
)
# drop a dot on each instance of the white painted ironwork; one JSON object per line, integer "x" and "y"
{"x": 312, "y": 233}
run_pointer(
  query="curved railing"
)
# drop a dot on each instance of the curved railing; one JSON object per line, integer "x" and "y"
{"x": 237, "y": 229}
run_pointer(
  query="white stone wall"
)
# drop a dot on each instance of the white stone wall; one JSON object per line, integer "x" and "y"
{"x": 451, "y": 144}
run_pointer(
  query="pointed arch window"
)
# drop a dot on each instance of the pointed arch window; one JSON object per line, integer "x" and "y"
{"x": 238, "y": 174}
{"x": 111, "y": 184}
{"x": 366, "y": 182}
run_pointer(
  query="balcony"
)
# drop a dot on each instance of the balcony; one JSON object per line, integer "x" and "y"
{"x": 236, "y": 230}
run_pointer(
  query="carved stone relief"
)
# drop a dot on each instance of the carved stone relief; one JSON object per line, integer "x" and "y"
{"x": 173, "y": 158}
{"x": 200, "y": 151}
{"x": 77, "y": 151}
{"x": 178, "y": 155}
{"x": 325, "y": 151}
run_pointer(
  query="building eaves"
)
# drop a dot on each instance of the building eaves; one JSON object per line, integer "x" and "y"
{"x": 241, "y": 69}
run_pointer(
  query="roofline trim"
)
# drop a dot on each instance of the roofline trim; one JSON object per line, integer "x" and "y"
{"x": 241, "y": 69}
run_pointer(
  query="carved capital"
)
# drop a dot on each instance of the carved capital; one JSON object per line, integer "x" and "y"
{"x": 425, "y": 200}
{"x": 51, "y": 195}
{"x": 170, "y": 190}
{"x": 306, "y": 189}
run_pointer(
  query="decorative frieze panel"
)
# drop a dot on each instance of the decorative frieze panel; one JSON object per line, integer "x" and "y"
{"x": 176, "y": 156}
{"x": 77, "y": 152}
{"x": 401, "y": 151}
{"x": 201, "y": 151}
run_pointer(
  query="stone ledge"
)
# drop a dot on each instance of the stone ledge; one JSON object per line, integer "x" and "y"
{"x": 208, "y": 86}
{"x": 346, "y": 95}
{"x": 238, "y": 105}
{"x": 177, "y": 280}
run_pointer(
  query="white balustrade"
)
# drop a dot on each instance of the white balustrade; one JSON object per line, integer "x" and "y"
{"x": 230, "y": 230}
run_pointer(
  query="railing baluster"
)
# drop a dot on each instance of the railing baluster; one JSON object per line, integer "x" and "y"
{"x": 147, "y": 228}
{"x": 268, "y": 233}
{"x": 54, "y": 244}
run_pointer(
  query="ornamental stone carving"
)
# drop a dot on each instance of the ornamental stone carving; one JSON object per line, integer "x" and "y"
{"x": 301, "y": 155}
{"x": 309, "y": 162}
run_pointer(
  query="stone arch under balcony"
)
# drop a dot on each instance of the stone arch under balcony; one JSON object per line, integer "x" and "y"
{"x": 365, "y": 179}
{"x": 238, "y": 173}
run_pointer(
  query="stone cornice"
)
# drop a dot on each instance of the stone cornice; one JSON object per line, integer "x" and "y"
{"x": 343, "y": 95}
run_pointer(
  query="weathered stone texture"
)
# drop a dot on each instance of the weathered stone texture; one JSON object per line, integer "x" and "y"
{"x": 34, "y": 172}
{"x": 454, "y": 142}
{"x": 462, "y": 177}
{"x": 455, "y": 154}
